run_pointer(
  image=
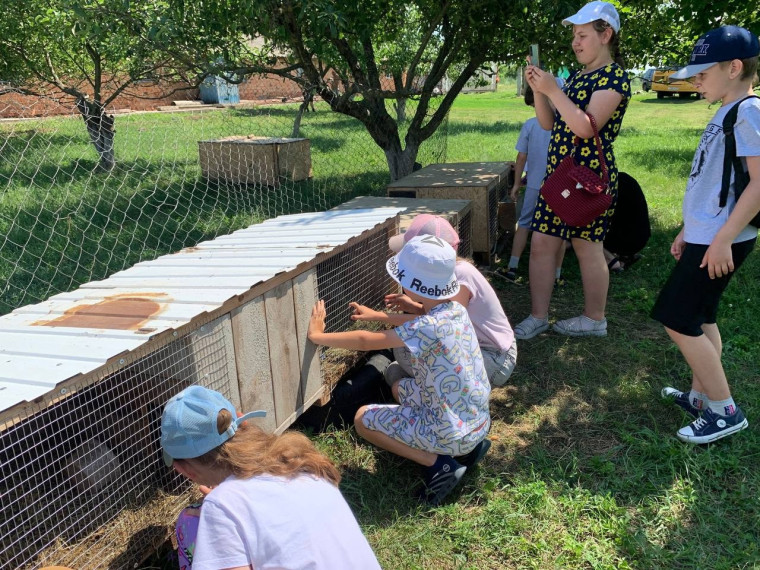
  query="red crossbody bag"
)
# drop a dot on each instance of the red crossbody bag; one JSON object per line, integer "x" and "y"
{"x": 576, "y": 193}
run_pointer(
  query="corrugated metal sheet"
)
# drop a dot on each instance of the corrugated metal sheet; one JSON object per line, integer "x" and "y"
{"x": 76, "y": 332}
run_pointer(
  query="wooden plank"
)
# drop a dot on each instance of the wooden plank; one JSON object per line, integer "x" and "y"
{"x": 249, "y": 337}
{"x": 283, "y": 350}
{"x": 458, "y": 174}
{"x": 304, "y": 298}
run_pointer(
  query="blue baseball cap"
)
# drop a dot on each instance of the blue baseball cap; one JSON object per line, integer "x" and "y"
{"x": 721, "y": 44}
{"x": 188, "y": 424}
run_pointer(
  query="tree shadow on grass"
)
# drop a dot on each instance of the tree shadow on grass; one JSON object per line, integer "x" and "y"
{"x": 586, "y": 413}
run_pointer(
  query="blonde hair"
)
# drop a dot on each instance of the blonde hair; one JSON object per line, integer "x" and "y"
{"x": 252, "y": 452}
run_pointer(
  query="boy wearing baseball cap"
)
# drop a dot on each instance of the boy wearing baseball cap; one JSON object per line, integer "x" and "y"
{"x": 442, "y": 412}
{"x": 716, "y": 236}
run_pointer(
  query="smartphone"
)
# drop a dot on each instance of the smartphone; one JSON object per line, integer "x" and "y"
{"x": 534, "y": 55}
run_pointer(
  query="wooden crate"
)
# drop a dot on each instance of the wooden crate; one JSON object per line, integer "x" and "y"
{"x": 255, "y": 160}
{"x": 484, "y": 183}
{"x": 457, "y": 212}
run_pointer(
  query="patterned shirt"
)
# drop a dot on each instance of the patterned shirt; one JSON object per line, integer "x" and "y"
{"x": 451, "y": 386}
{"x": 579, "y": 88}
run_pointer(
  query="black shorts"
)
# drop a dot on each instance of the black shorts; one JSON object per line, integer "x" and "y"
{"x": 690, "y": 298}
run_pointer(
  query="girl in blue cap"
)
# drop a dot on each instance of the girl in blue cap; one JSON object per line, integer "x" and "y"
{"x": 272, "y": 501}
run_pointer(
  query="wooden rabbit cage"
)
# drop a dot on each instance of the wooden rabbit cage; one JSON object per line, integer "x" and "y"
{"x": 84, "y": 376}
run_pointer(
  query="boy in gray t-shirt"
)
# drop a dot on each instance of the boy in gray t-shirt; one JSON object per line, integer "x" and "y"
{"x": 714, "y": 240}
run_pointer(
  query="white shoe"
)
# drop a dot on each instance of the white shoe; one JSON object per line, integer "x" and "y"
{"x": 531, "y": 327}
{"x": 581, "y": 326}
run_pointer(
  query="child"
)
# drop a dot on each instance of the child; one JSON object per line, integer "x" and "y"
{"x": 602, "y": 89}
{"x": 442, "y": 411}
{"x": 714, "y": 241}
{"x": 531, "y": 147}
{"x": 273, "y": 500}
{"x": 495, "y": 337}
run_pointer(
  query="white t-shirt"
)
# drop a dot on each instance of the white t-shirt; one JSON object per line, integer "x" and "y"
{"x": 278, "y": 523}
{"x": 702, "y": 216}
{"x": 486, "y": 313}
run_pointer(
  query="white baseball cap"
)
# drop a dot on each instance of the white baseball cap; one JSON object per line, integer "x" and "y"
{"x": 595, "y": 11}
{"x": 425, "y": 266}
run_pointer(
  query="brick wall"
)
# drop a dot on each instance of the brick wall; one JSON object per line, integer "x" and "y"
{"x": 144, "y": 96}
{"x": 148, "y": 96}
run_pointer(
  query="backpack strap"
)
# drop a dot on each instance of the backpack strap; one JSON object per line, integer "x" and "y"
{"x": 730, "y": 160}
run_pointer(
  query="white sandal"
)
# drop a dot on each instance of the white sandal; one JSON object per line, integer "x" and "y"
{"x": 531, "y": 327}
{"x": 581, "y": 326}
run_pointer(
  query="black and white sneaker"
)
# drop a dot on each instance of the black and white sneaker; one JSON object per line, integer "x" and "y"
{"x": 471, "y": 459}
{"x": 439, "y": 484}
{"x": 680, "y": 399}
{"x": 710, "y": 427}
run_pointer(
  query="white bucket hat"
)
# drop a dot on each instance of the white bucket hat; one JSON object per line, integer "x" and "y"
{"x": 425, "y": 266}
{"x": 595, "y": 11}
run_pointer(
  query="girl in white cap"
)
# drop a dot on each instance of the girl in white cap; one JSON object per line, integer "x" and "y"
{"x": 601, "y": 88}
{"x": 271, "y": 501}
{"x": 442, "y": 412}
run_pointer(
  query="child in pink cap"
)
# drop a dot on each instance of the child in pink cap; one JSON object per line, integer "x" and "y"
{"x": 495, "y": 336}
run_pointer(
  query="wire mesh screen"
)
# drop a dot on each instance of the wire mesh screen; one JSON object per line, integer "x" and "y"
{"x": 178, "y": 174}
{"x": 464, "y": 229}
{"x": 356, "y": 274}
{"x": 493, "y": 214}
{"x": 83, "y": 483}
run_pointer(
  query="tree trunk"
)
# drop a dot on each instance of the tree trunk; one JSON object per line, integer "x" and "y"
{"x": 297, "y": 123}
{"x": 400, "y": 161}
{"x": 399, "y": 104}
{"x": 100, "y": 127}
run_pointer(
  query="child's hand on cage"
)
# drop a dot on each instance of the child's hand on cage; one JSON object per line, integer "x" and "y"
{"x": 363, "y": 313}
{"x": 317, "y": 322}
{"x": 401, "y": 302}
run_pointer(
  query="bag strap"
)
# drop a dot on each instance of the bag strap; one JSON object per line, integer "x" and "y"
{"x": 598, "y": 140}
{"x": 730, "y": 160}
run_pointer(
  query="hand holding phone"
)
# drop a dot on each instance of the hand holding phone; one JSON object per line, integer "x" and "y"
{"x": 533, "y": 57}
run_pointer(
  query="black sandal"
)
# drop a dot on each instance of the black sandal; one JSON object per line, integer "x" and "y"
{"x": 615, "y": 265}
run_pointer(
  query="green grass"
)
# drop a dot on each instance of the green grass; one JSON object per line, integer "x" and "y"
{"x": 585, "y": 471}
{"x": 64, "y": 223}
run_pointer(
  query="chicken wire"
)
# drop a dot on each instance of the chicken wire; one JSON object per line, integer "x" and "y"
{"x": 356, "y": 274}
{"x": 83, "y": 483}
{"x": 65, "y": 221}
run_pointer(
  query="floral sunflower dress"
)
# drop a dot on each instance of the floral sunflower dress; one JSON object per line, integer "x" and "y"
{"x": 579, "y": 88}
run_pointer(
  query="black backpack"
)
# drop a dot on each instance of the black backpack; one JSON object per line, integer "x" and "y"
{"x": 731, "y": 161}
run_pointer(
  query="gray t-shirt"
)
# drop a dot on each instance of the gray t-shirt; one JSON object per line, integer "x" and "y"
{"x": 702, "y": 216}
{"x": 534, "y": 141}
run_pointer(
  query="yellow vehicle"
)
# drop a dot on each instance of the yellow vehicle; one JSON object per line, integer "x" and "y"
{"x": 665, "y": 88}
